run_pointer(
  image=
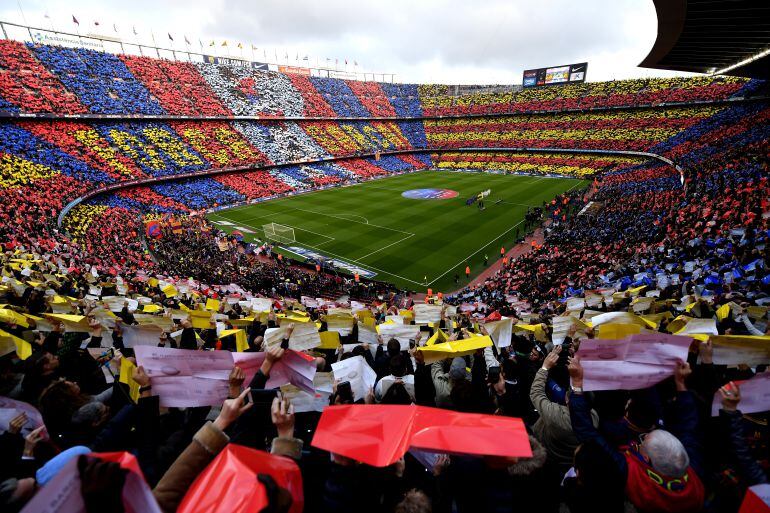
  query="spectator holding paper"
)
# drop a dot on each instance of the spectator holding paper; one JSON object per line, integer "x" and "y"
{"x": 662, "y": 470}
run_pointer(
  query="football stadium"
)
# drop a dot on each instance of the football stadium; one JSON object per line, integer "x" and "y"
{"x": 472, "y": 267}
{"x": 413, "y": 230}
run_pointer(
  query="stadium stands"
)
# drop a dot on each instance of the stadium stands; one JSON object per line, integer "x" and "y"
{"x": 177, "y": 85}
{"x": 101, "y": 81}
{"x": 622, "y": 93}
{"x": 648, "y": 250}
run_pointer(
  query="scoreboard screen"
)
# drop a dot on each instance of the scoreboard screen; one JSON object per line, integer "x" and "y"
{"x": 566, "y": 74}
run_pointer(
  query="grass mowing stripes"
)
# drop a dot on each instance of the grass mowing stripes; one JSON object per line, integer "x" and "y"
{"x": 412, "y": 243}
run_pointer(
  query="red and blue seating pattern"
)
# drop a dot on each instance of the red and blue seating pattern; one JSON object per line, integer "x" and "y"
{"x": 44, "y": 163}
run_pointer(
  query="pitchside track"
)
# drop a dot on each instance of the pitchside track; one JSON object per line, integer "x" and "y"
{"x": 413, "y": 243}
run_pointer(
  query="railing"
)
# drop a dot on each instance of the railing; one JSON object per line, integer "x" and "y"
{"x": 118, "y": 45}
{"x": 33, "y": 116}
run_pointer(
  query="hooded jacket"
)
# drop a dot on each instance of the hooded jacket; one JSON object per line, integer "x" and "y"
{"x": 554, "y": 427}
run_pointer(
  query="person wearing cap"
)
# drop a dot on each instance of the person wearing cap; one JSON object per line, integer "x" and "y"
{"x": 444, "y": 382}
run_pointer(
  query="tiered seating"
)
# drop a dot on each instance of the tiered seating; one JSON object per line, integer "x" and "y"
{"x": 31, "y": 201}
{"x": 623, "y": 130}
{"x": 26, "y": 153}
{"x": 27, "y": 84}
{"x": 199, "y": 193}
{"x": 339, "y": 96}
{"x": 254, "y": 184}
{"x": 282, "y": 142}
{"x": 727, "y": 189}
{"x": 144, "y": 200}
{"x": 84, "y": 142}
{"x": 155, "y": 147}
{"x": 252, "y": 92}
{"x": 315, "y": 104}
{"x": 108, "y": 235}
{"x": 100, "y": 80}
{"x": 351, "y": 137}
{"x": 362, "y": 168}
{"x": 404, "y": 98}
{"x": 178, "y": 86}
{"x": 622, "y": 93}
{"x": 581, "y": 166}
{"x": 372, "y": 98}
{"x": 220, "y": 144}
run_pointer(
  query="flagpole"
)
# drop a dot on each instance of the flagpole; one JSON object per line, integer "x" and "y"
{"x": 173, "y": 48}
{"x": 136, "y": 40}
{"x": 154, "y": 44}
{"x": 122, "y": 48}
{"x": 23, "y": 17}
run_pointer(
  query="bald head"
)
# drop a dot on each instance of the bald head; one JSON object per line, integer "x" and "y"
{"x": 666, "y": 453}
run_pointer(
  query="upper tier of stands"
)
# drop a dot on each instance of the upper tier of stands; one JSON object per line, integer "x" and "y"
{"x": 50, "y": 79}
{"x": 46, "y": 163}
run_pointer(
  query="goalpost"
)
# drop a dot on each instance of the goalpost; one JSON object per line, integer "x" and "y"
{"x": 279, "y": 233}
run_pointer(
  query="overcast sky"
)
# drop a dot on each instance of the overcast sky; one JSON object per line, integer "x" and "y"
{"x": 444, "y": 41}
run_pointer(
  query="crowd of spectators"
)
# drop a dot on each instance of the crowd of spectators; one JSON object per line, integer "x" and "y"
{"x": 101, "y": 81}
{"x": 438, "y": 100}
{"x": 658, "y": 448}
{"x": 248, "y": 92}
{"x": 25, "y": 82}
{"x": 658, "y": 251}
{"x": 637, "y": 130}
{"x": 650, "y": 212}
{"x": 177, "y": 86}
{"x": 44, "y": 78}
{"x": 372, "y": 96}
{"x": 553, "y": 164}
{"x": 340, "y": 97}
{"x": 282, "y": 142}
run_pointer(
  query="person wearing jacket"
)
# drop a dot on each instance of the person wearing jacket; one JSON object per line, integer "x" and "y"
{"x": 554, "y": 427}
{"x": 211, "y": 439}
{"x": 663, "y": 472}
{"x": 747, "y": 471}
{"x": 495, "y": 484}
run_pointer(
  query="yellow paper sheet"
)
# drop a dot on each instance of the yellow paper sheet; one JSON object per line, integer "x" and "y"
{"x": 329, "y": 340}
{"x": 241, "y": 344}
{"x": 455, "y": 348}
{"x": 126, "y": 369}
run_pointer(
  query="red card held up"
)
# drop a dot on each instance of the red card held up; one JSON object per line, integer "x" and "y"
{"x": 379, "y": 435}
{"x": 229, "y": 484}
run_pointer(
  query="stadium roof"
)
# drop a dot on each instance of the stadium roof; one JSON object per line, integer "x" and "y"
{"x": 706, "y": 36}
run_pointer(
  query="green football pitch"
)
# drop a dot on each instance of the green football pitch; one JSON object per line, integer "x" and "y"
{"x": 412, "y": 243}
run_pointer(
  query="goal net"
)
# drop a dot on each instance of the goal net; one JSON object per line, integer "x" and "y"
{"x": 279, "y": 233}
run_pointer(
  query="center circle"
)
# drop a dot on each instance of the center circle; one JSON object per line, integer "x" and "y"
{"x": 430, "y": 194}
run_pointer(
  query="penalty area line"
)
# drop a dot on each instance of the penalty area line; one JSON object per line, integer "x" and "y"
{"x": 348, "y": 259}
